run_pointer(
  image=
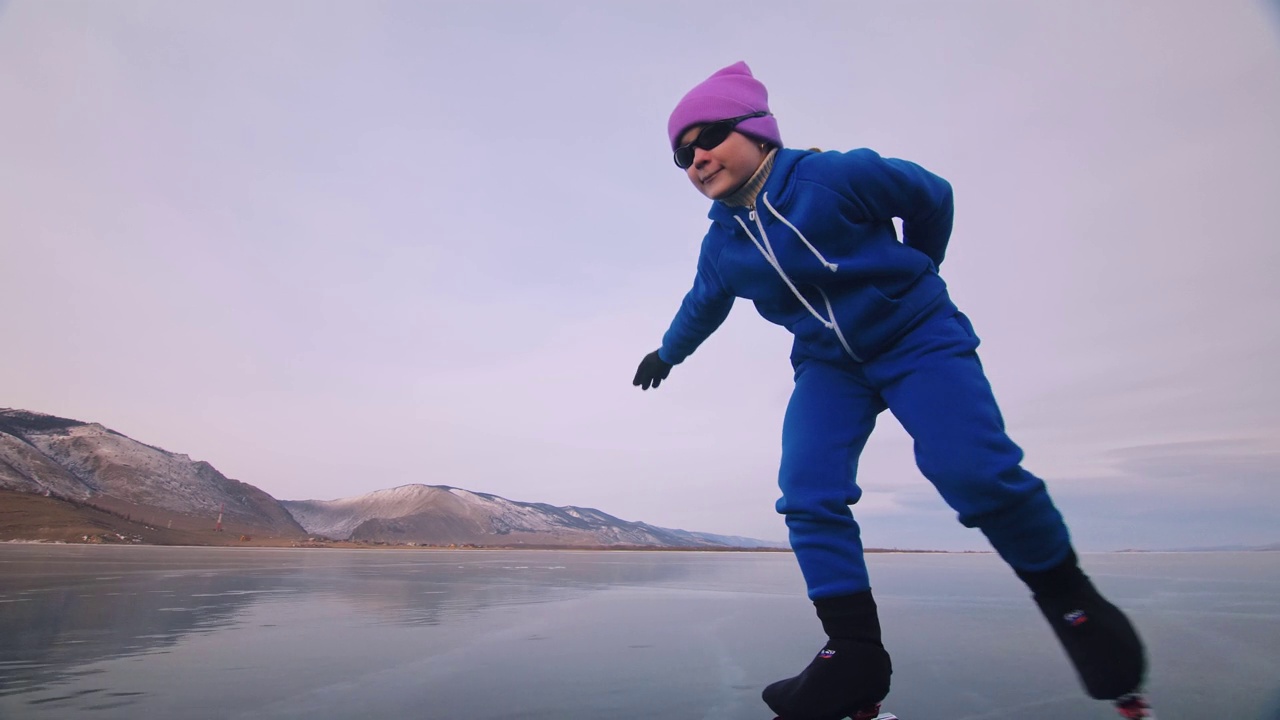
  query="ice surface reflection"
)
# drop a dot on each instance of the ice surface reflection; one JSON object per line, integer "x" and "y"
{"x": 70, "y": 613}
{"x": 256, "y": 634}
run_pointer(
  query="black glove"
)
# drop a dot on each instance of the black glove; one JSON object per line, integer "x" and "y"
{"x": 652, "y": 371}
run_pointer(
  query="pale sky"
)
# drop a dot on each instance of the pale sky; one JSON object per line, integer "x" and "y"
{"x": 333, "y": 247}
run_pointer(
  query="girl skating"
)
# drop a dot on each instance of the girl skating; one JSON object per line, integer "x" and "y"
{"x": 809, "y": 238}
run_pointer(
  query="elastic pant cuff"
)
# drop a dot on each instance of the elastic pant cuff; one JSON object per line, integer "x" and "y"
{"x": 850, "y": 617}
{"x": 1058, "y": 581}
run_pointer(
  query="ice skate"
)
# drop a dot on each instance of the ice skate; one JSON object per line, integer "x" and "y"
{"x": 846, "y": 679}
{"x": 1100, "y": 640}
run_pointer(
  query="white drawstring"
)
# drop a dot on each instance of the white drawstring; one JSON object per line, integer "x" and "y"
{"x": 773, "y": 261}
{"x": 836, "y": 327}
{"x": 767, "y": 251}
{"x": 829, "y": 265}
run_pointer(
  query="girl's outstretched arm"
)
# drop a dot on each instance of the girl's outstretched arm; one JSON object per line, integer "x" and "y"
{"x": 704, "y": 309}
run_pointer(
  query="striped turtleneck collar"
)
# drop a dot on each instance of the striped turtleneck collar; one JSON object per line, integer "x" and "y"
{"x": 745, "y": 196}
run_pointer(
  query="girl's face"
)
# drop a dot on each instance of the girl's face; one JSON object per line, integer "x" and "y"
{"x": 724, "y": 168}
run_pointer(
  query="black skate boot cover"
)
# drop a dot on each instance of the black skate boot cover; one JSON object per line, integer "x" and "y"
{"x": 851, "y": 672}
{"x": 1099, "y": 639}
{"x": 846, "y": 676}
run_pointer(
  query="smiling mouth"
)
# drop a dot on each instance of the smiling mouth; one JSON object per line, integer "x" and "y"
{"x": 707, "y": 179}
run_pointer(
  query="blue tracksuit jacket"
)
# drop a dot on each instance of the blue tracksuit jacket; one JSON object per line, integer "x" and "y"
{"x": 874, "y": 329}
{"x": 850, "y": 270}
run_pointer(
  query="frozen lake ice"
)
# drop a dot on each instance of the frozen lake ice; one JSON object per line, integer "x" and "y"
{"x": 100, "y": 632}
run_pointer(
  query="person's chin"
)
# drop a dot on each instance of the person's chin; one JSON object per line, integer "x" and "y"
{"x": 719, "y": 190}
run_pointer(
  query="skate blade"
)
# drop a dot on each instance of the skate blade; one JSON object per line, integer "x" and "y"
{"x": 881, "y": 716}
{"x": 1135, "y": 707}
{"x": 872, "y": 713}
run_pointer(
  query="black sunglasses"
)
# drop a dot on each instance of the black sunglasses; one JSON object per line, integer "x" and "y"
{"x": 712, "y": 134}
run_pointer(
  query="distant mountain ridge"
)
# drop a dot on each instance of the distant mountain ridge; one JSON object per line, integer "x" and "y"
{"x": 440, "y": 514}
{"x": 92, "y": 465}
{"x": 1270, "y": 547}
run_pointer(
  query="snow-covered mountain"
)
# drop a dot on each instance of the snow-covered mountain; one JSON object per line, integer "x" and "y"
{"x": 92, "y": 464}
{"x": 442, "y": 515}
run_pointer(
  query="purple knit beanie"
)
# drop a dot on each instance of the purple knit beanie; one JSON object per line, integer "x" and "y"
{"x": 729, "y": 92}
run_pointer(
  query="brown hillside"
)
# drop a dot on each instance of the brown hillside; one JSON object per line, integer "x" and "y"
{"x": 24, "y": 516}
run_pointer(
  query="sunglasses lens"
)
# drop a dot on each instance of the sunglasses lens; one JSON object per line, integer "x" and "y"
{"x": 713, "y": 134}
{"x": 710, "y": 137}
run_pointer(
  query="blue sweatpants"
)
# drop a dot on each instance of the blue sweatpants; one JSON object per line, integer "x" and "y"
{"x": 933, "y": 383}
